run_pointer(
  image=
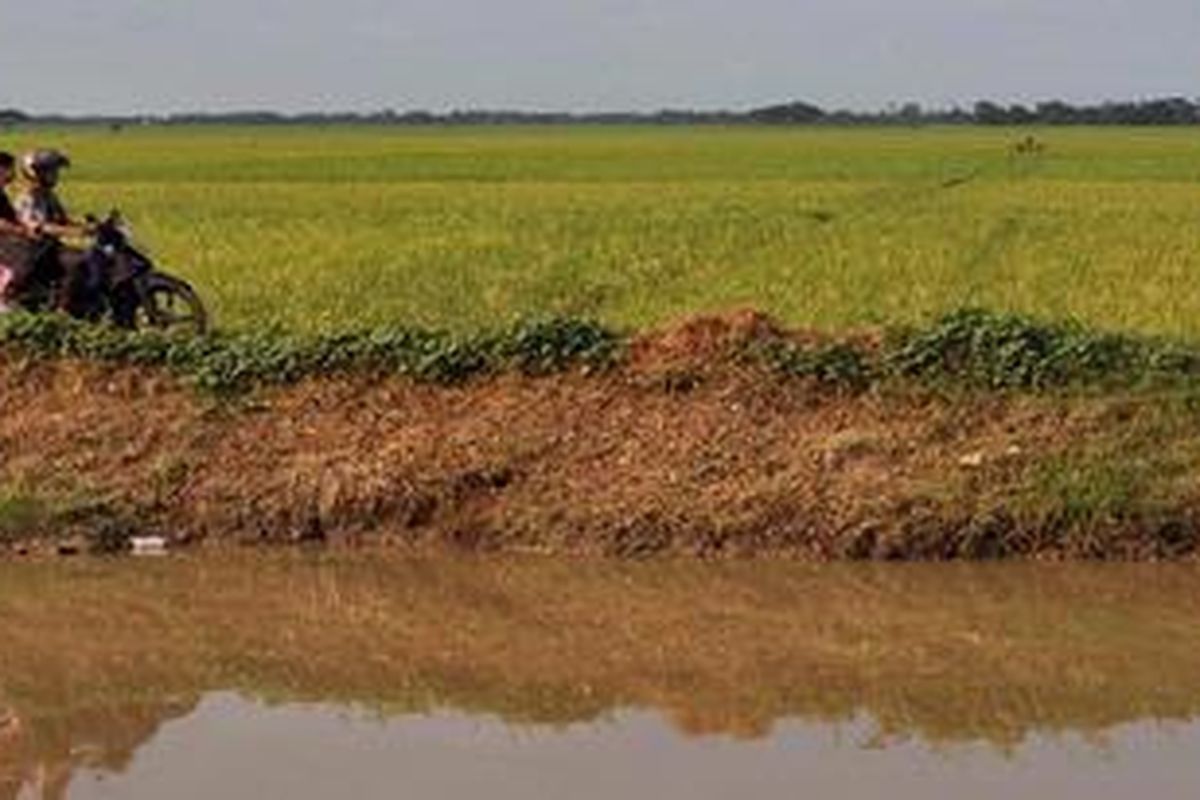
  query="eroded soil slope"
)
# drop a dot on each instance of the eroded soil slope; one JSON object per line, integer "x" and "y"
{"x": 683, "y": 449}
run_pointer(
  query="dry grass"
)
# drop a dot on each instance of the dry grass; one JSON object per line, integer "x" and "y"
{"x": 627, "y": 464}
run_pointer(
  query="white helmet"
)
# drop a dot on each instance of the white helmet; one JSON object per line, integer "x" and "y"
{"x": 42, "y": 166}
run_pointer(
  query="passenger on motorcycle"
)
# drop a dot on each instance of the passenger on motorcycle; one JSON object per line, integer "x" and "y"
{"x": 10, "y": 229}
{"x": 10, "y": 225}
{"x": 41, "y": 211}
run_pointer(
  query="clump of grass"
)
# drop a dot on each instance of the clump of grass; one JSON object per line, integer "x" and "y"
{"x": 1085, "y": 506}
{"x": 539, "y": 347}
{"x": 838, "y": 364}
{"x": 22, "y": 515}
{"x": 77, "y": 518}
{"x": 29, "y": 515}
{"x": 1085, "y": 492}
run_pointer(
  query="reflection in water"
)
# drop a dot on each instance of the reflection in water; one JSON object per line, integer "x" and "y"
{"x": 39, "y": 757}
{"x": 108, "y": 668}
{"x": 234, "y": 749}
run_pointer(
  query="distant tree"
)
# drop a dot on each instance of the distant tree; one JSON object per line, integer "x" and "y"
{"x": 1020, "y": 115}
{"x": 1161, "y": 111}
{"x": 911, "y": 114}
{"x": 989, "y": 113}
{"x": 793, "y": 113}
{"x": 1056, "y": 112}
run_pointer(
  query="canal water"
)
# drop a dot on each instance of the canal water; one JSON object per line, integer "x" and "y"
{"x": 375, "y": 676}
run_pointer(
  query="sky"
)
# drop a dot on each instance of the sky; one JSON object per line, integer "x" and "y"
{"x": 161, "y": 56}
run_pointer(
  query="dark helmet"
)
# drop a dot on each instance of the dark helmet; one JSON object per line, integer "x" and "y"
{"x": 42, "y": 166}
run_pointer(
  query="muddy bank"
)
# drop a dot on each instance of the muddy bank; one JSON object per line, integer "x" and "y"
{"x": 685, "y": 447}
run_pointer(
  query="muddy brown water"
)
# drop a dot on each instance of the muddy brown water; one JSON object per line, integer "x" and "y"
{"x": 368, "y": 675}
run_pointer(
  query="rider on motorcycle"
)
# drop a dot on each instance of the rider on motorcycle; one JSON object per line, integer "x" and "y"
{"x": 42, "y": 213}
{"x": 38, "y": 205}
{"x": 12, "y": 232}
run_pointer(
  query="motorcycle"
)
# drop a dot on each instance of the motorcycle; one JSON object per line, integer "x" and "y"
{"x": 119, "y": 283}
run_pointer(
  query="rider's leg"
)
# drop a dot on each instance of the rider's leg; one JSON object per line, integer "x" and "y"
{"x": 82, "y": 284}
{"x": 5, "y": 279}
{"x": 41, "y": 267}
{"x": 19, "y": 277}
{"x": 70, "y": 291}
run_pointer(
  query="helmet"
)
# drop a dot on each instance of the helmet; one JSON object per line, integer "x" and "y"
{"x": 42, "y": 166}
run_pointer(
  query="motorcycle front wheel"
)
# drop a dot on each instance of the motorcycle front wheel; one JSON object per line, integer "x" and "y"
{"x": 167, "y": 303}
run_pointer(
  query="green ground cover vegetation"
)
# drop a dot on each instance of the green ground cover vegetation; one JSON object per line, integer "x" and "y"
{"x": 969, "y": 348}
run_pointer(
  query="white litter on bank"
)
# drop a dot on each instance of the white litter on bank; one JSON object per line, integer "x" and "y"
{"x": 148, "y": 545}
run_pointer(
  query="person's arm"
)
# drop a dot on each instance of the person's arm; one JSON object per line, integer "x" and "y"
{"x": 35, "y": 217}
{"x": 59, "y": 224}
{"x": 60, "y": 230}
{"x": 8, "y": 228}
{"x": 10, "y": 224}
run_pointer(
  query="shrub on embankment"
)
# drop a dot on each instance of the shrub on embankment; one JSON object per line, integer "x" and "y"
{"x": 995, "y": 351}
{"x": 972, "y": 348}
{"x": 980, "y": 349}
{"x": 223, "y": 362}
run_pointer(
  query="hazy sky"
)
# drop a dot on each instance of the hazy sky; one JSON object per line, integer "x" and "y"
{"x": 171, "y": 55}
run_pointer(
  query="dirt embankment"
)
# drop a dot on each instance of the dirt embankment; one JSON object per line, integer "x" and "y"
{"x": 685, "y": 448}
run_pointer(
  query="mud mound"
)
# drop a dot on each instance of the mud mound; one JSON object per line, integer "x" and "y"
{"x": 704, "y": 338}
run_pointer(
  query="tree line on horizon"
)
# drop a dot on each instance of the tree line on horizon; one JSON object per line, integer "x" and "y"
{"x": 1160, "y": 111}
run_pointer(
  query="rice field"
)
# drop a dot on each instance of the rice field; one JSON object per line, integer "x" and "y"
{"x": 461, "y": 228}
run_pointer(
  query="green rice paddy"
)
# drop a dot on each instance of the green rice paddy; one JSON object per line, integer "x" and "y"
{"x": 320, "y": 229}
